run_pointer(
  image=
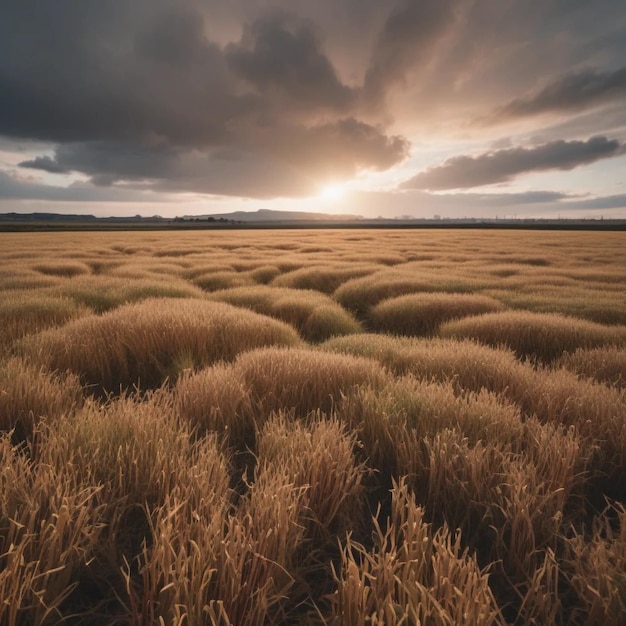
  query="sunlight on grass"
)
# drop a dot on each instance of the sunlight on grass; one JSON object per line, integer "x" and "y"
{"x": 312, "y": 427}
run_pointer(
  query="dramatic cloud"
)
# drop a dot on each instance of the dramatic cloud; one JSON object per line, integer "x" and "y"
{"x": 406, "y": 41}
{"x": 296, "y": 162}
{"x": 281, "y": 54}
{"x": 136, "y": 93}
{"x": 576, "y": 91}
{"x": 503, "y": 165}
{"x": 12, "y": 189}
{"x": 275, "y": 100}
{"x": 46, "y": 164}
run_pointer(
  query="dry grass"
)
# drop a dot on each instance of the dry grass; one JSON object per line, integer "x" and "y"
{"x": 370, "y": 479}
{"x": 536, "y": 336}
{"x": 315, "y": 316}
{"x": 103, "y": 293}
{"x": 361, "y": 294}
{"x": 143, "y": 344}
{"x": 323, "y": 278}
{"x": 49, "y": 531}
{"x": 413, "y": 574}
{"x": 464, "y": 364}
{"x": 29, "y": 395}
{"x": 606, "y": 364}
{"x": 27, "y": 312}
{"x": 422, "y": 314}
{"x": 303, "y": 381}
{"x": 598, "y": 571}
{"x": 65, "y": 269}
{"x": 318, "y": 457}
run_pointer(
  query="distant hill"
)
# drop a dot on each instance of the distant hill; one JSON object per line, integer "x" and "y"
{"x": 269, "y": 215}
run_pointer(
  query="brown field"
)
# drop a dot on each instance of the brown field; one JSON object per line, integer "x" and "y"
{"x": 313, "y": 427}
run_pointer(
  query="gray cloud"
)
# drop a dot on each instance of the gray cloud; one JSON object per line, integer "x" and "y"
{"x": 576, "y": 91}
{"x": 12, "y": 189}
{"x": 131, "y": 93}
{"x": 295, "y": 161}
{"x": 504, "y": 165}
{"x": 46, "y": 164}
{"x": 406, "y": 41}
{"x": 222, "y": 96}
{"x": 282, "y": 54}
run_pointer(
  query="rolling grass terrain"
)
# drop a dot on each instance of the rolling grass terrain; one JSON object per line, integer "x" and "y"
{"x": 313, "y": 427}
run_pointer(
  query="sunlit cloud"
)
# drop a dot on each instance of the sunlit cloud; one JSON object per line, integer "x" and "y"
{"x": 250, "y": 104}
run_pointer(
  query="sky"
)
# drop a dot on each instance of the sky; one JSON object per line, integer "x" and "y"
{"x": 457, "y": 108}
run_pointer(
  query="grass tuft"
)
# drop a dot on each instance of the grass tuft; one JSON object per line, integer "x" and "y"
{"x": 413, "y": 574}
{"x": 316, "y": 317}
{"x": 540, "y": 337}
{"x": 27, "y": 312}
{"x": 145, "y": 343}
{"x": 29, "y": 395}
{"x": 421, "y": 314}
{"x": 606, "y": 364}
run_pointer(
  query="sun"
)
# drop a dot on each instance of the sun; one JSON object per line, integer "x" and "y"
{"x": 332, "y": 192}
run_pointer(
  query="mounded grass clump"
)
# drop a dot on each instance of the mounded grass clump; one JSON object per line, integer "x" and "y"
{"x": 323, "y": 278}
{"x": 317, "y": 457}
{"x": 216, "y": 399}
{"x": 465, "y": 364}
{"x": 27, "y": 312}
{"x": 540, "y": 337}
{"x": 596, "y": 569}
{"x": 606, "y": 364}
{"x": 141, "y": 461}
{"x": 316, "y": 317}
{"x": 597, "y": 413}
{"x": 144, "y": 343}
{"x": 65, "y": 269}
{"x": 236, "y": 399}
{"x": 361, "y": 294}
{"x": 103, "y": 293}
{"x": 29, "y": 395}
{"x": 264, "y": 274}
{"x": 303, "y": 381}
{"x": 221, "y": 564}
{"x": 421, "y": 314}
{"x": 214, "y": 281}
{"x": 392, "y": 424}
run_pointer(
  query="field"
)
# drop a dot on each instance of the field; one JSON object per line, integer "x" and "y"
{"x": 313, "y": 427}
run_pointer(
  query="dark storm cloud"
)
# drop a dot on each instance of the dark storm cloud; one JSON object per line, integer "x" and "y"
{"x": 406, "y": 40}
{"x": 13, "y": 189}
{"x": 46, "y": 164}
{"x": 296, "y": 161}
{"x": 223, "y": 96}
{"x": 107, "y": 162}
{"x": 131, "y": 90}
{"x": 282, "y": 54}
{"x": 116, "y": 70}
{"x": 576, "y": 91}
{"x": 503, "y": 165}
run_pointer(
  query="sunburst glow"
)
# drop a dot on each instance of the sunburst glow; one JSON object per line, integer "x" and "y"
{"x": 332, "y": 193}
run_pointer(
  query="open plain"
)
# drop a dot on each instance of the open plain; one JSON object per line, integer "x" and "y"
{"x": 313, "y": 426}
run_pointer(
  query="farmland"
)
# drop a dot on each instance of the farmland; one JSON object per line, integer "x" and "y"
{"x": 324, "y": 427}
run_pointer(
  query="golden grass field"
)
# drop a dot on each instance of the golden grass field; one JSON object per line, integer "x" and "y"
{"x": 313, "y": 427}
